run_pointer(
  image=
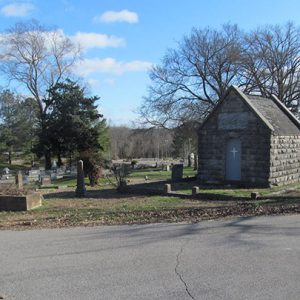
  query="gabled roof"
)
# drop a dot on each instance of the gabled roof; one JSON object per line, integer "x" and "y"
{"x": 282, "y": 120}
{"x": 270, "y": 111}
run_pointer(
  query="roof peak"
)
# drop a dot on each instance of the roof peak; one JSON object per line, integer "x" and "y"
{"x": 274, "y": 99}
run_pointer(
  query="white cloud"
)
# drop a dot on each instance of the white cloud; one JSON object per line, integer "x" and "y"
{"x": 110, "y": 66}
{"x": 93, "y": 82}
{"x": 109, "y": 81}
{"x": 118, "y": 16}
{"x": 85, "y": 40}
{"x": 17, "y": 9}
{"x": 89, "y": 40}
{"x": 96, "y": 82}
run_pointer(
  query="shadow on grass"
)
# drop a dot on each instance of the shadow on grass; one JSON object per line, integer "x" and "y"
{"x": 157, "y": 189}
{"x": 283, "y": 199}
{"x": 91, "y": 194}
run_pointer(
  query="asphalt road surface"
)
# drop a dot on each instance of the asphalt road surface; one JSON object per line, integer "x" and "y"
{"x": 245, "y": 258}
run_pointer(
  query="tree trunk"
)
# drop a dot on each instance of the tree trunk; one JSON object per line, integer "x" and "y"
{"x": 43, "y": 141}
{"x": 9, "y": 157}
{"x": 47, "y": 155}
{"x": 70, "y": 159}
{"x": 59, "y": 160}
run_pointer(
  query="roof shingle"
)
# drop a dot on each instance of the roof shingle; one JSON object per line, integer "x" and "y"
{"x": 277, "y": 117}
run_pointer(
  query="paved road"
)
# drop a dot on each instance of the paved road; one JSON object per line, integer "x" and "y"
{"x": 246, "y": 258}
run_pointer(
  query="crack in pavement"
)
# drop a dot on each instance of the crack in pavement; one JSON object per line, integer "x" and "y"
{"x": 179, "y": 275}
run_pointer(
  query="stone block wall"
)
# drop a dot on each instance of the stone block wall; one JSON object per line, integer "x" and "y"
{"x": 284, "y": 159}
{"x": 255, "y": 157}
{"x": 255, "y": 144}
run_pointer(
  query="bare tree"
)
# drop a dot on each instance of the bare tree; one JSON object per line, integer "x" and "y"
{"x": 272, "y": 62}
{"x": 37, "y": 58}
{"x": 193, "y": 78}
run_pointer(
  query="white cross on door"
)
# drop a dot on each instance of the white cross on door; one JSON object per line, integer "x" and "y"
{"x": 234, "y": 151}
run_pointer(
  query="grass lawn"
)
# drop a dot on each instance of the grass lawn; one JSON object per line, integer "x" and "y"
{"x": 62, "y": 209}
{"x": 71, "y": 182}
{"x": 161, "y": 175}
{"x": 103, "y": 205}
{"x": 186, "y": 188}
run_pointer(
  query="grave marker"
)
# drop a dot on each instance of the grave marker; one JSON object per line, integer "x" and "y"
{"x": 80, "y": 189}
{"x": 45, "y": 180}
{"x": 177, "y": 172}
{"x": 19, "y": 180}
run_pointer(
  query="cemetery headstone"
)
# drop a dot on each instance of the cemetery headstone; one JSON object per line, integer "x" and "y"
{"x": 19, "y": 180}
{"x": 254, "y": 195}
{"x": 191, "y": 158}
{"x": 6, "y": 171}
{"x": 53, "y": 176}
{"x": 54, "y": 165}
{"x": 167, "y": 188}
{"x": 34, "y": 175}
{"x": 45, "y": 180}
{"x": 167, "y": 167}
{"x": 80, "y": 189}
{"x": 25, "y": 179}
{"x": 177, "y": 172}
{"x": 195, "y": 190}
{"x": 61, "y": 170}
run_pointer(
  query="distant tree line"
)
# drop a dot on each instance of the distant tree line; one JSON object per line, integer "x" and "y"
{"x": 136, "y": 143}
{"x": 159, "y": 143}
{"x": 194, "y": 76}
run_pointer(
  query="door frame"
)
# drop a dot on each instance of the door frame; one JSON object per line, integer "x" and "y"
{"x": 239, "y": 171}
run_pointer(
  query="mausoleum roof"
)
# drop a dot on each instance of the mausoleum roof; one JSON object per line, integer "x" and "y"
{"x": 280, "y": 118}
{"x": 271, "y": 111}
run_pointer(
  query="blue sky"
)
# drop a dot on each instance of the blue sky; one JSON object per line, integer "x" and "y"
{"x": 123, "y": 38}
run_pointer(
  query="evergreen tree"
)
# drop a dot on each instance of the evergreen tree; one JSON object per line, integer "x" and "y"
{"x": 71, "y": 126}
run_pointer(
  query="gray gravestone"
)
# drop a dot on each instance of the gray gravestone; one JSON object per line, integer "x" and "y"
{"x": 25, "y": 179}
{"x": 19, "y": 180}
{"x": 34, "y": 175}
{"x": 254, "y": 195}
{"x": 53, "y": 176}
{"x": 80, "y": 189}
{"x": 167, "y": 188}
{"x": 54, "y": 165}
{"x": 177, "y": 172}
{"x": 191, "y": 158}
{"x": 46, "y": 180}
{"x": 195, "y": 190}
{"x": 5, "y": 171}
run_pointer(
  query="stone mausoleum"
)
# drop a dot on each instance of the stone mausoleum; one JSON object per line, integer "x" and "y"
{"x": 250, "y": 140}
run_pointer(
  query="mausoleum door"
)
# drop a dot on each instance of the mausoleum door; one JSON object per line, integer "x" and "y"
{"x": 233, "y": 160}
